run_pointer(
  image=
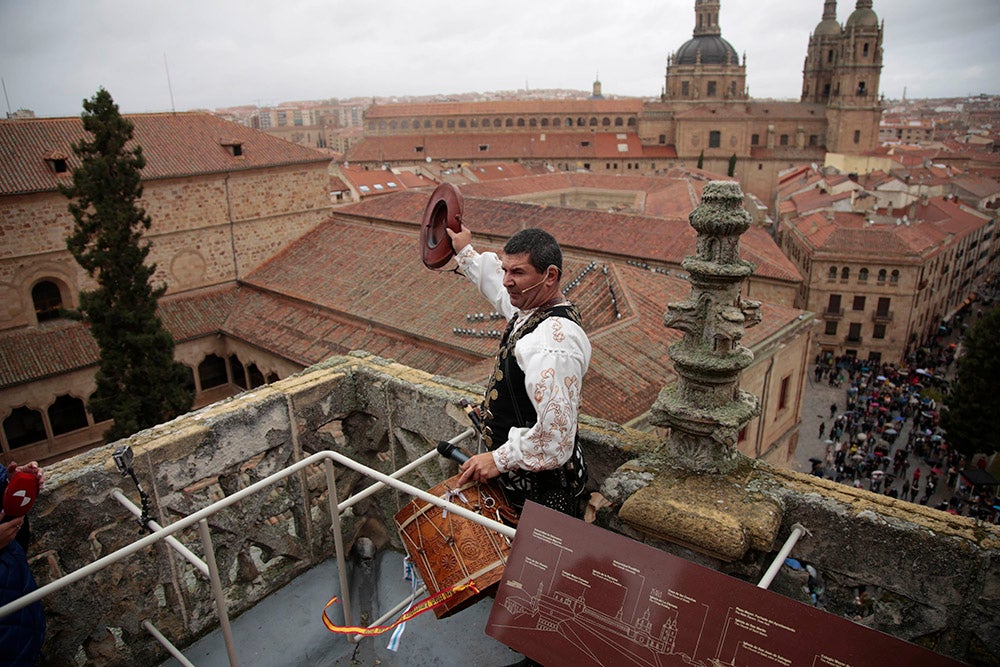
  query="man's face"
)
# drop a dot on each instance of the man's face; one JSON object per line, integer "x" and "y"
{"x": 527, "y": 286}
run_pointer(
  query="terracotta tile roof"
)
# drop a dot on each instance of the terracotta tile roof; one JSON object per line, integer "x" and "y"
{"x": 632, "y": 236}
{"x": 53, "y": 348}
{"x": 671, "y": 196}
{"x": 501, "y": 146}
{"x": 377, "y": 298}
{"x": 849, "y": 234}
{"x": 191, "y": 315}
{"x": 60, "y": 346}
{"x": 498, "y": 171}
{"x": 346, "y": 287}
{"x": 174, "y": 145}
{"x": 512, "y": 107}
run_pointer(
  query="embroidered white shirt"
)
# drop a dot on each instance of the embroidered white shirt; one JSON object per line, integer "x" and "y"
{"x": 554, "y": 358}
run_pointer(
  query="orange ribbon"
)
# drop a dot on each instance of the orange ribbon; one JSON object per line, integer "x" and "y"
{"x": 426, "y": 604}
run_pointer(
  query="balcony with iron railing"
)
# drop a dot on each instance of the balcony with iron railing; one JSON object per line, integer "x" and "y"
{"x": 882, "y": 317}
{"x": 833, "y": 313}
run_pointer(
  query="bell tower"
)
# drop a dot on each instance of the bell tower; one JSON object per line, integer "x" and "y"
{"x": 822, "y": 57}
{"x": 854, "y": 109}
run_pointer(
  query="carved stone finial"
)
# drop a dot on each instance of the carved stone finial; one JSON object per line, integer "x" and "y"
{"x": 706, "y": 409}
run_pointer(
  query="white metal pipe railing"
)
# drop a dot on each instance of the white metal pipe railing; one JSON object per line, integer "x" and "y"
{"x": 220, "y": 598}
{"x": 797, "y": 531}
{"x": 173, "y": 650}
{"x": 238, "y": 496}
{"x": 177, "y": 545}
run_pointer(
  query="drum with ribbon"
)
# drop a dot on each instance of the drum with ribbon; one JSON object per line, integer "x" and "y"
{"x": 450, "y": 551}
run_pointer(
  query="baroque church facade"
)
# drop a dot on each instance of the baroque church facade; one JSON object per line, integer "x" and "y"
{"x": 704, "y": 115}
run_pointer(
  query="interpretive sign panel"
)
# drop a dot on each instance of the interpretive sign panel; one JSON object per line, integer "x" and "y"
{"x": 575, "y": 594}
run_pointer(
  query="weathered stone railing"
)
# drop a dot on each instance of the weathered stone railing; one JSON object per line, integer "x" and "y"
{"x": 933, "y": 577}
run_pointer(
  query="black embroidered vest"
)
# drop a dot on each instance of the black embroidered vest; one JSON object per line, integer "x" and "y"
{"x": 508, "y": 405}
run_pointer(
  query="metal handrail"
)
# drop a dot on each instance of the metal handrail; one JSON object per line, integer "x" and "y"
{"x": 328, "y": 457}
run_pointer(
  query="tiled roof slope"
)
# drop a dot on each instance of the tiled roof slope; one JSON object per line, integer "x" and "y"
{"x": 53, "y": 348}
{"x": 358, "y": 274}
{"x": 181, "y": 144}
{"x": 512, "y": 107}
{"x": 305, "y": 334}
{"x": 630, "y": 236}
{"x": 62, "y": 346}
{"x": 848, "y": 233}
{"x": 662, "y": 197}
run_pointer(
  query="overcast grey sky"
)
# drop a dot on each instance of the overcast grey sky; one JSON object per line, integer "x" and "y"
{"x": 54, "y": 53}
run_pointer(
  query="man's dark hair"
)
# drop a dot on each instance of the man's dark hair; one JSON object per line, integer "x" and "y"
{"x": 542, "y": 248}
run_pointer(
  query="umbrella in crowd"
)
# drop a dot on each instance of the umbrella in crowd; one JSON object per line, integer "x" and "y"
{"x": 891, "y": 431}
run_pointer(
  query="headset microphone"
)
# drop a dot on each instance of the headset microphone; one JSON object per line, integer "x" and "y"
{"x": 525, "y": 291}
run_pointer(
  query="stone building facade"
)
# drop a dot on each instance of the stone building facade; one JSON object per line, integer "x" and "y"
{"x": 882, "y": 287}
{"x": 703, "y": 117}
{"x": 222, "y": 199}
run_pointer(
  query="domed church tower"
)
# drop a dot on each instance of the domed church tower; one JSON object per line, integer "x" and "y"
{"x": 854, "y": 108}
{"x": 822, "y": 57}
{"x": 706, "y": 67}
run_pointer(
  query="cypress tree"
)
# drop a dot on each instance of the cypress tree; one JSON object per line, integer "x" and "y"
{"x": 701, "y": 159}
{"x": 138, "y": 382}
{"x": 972, "y": 419}
{"x": 732, "y": 165}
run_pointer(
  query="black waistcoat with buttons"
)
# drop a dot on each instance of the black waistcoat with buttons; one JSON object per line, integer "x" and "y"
{"x": 507, "y": 403}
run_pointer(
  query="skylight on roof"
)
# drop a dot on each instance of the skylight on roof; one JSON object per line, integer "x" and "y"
{"x": 365, "y": 188}
{"x": 623, "y": 148}
{"x": 379, "y": 186}
{"x": 391, "y": 184}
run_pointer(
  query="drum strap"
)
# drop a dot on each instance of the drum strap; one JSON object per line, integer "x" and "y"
{"x": 427, "y": 604}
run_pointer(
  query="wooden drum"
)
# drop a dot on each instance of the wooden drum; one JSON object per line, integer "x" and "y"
{"x": 449, "y": 550}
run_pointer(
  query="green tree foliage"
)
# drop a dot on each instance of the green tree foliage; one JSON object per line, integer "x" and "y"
{"x": 701, "y": 159}
{"x": 972, "y": 420}
{"x": 732, "y": 165}
{"x": 138, "y": 383}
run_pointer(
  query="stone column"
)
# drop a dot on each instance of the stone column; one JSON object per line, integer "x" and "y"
{"x": 706, "y": 409}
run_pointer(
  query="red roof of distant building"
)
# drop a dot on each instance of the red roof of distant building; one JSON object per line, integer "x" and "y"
{"x": 181, "y": 144}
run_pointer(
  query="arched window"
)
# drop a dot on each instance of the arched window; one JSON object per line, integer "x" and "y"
{"x": 545, "y": 122}
{"x": 863, "y": 275}
{"x": 212, "y": 372}
{"x": 497, "y": 122}
{"x": 67, "y": 414}
{"x": 593, "y": 121}
{"x": 47, "y": 300}
{"x": 23, "y": 427}
{"x": 605, "y": 122}
{"x": 405, "y": 125}
{"x": 486, "y": 122}
{"x": 451, "y": 124}
{"x": 392, "y": 125}
{"x": 833, "y": 274}
{"x": 569, "y": 122}
{"x": 256, "y": 377}
{"x": 631, "y": 122}
{"x": 881, "y": 276}
{"x": 509, "y": 122}
{"x": 894, "y": 277}
{"x": 462, "y": 123}
{"x": 556, "y": 122}
{"x": 532, "y": 122}
{"x": 619, "y": 122}
{"x": 520, "y": 122}
{"x": 272, "y": 378}
{"x": 237, "y": 371}
{"x": 439, "y": 124}
{"x": 381, "y": 125}
{"x": 845, "y": 273}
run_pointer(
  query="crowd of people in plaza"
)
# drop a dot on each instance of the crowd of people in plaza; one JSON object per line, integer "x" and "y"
{"x": 886, "y": 439}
